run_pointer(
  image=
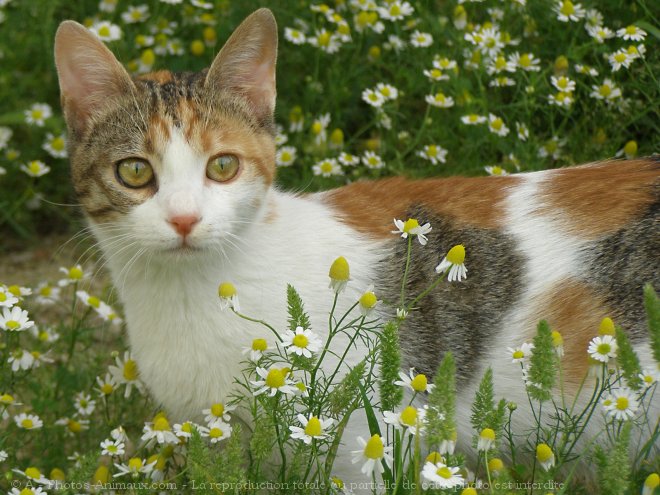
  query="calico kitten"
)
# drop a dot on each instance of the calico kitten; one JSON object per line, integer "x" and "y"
{"x": 175, "y": 173}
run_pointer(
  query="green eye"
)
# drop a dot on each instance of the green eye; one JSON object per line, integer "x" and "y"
{"x": 222, "y": 168}
{"x": 134, "y": 172}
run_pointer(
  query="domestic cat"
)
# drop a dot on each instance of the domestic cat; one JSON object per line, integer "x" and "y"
{"x": 175, "y": 173}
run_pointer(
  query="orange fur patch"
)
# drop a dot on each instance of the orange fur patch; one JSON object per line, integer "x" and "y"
{"x": 160, "y": 76}
{"x": 369, "y": 207}
{"x": 601, "y": 198}
{"x": 158, "y": 133}
{"x": 572, "y": 308}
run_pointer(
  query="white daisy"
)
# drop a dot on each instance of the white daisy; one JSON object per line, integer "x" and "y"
{"x": 126, "y": 372}
{"x": 7, "y": 299}
{"x": 28, "y": 421}
{"x": 34, "y": 475}
{"x": 228, "y": 296}
{"x": 441, "y": 476}
{"x": 21, "y": 360}
{"x": 327, "y": 168}
{"x": 454, "y": 261}
{"x": 649, "y": 377}
{"x": 568, "y": 11}
{"x": 414, "y": 382}
{"x": 106, "y": 31}
{"x": 368, "y": 301}
{"x": 395, "y": 10}
{"x": 312, "y": 428}
{"x": 325, "y": 40}
{"x": 114, "y": 448}
{"x": 603, "y": 348}
{"x": 373, "y": 453}
{"x": 373, "y": 97}
{"x": 522, "y": 131}
{"x": 303, "y": 342}
{"x": 45, "y": 294}
{"x": 373, "y": 161}
{"x": 55, "y": 145}
{"x": 497, "y": 126}
{"x": 256, "y": 350}
{"x": 631, "y": 33}
{"x": 413, "y": 228}
{"x": 160, "y": 430}
{"x": 563, "y": 83}
{"x": 38, "y": 113}
{"x": 135, "y": 14}
{"x": 421, "y": 40}
{"x": 599, "y": 33}
{"x": 526, "y": 61}
{"x": 84, "y": 404}
{"x": 545, "y": 456}
{"x": 273, "y": 380}
{"x": 521, "y": 353}
{"x": 134, "y": 466}
{"x": 218, "y": 412}
{"x": 219, "y": 431}
{"x": 436, "y": 74}
{"x": 319, "y": 128}
{"x": 388, "y": 91}
{"x": 410, "y": 419}
{"x": 620, "y": 58}
{"x": 35, "y": 168}
{"x": 185, "y": 430}
{"x": 73, "y": 275}
{"x": 621, "y": 404}
{"x": 106, "y": 385}
{"x": 473, "y": 119}
{"x": 348, "y": 160}
{"x": 434, "y": 153}
{"x": 486, "y": 440}
{"x": 285, "y": 156}
{"x": 439, "y": 100}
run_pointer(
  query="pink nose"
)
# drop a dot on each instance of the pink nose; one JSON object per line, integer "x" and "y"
{"x": 183, "y": 224}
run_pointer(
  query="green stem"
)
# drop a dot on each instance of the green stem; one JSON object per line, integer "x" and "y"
{"x": 405, "y": 273}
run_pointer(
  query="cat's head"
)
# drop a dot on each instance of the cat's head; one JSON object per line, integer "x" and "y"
{"x": 178, "y": 162}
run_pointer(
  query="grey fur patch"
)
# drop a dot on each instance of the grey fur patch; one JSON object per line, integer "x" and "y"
{"x": 461, "y": 317}
{"x": 622, "y": 263}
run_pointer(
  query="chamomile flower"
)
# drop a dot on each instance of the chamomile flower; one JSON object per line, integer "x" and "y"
{"x": 394, "y": 43}
{"x": 521, "y": 353}
{"x": 372, "y": 452}
{"x": 28, "y": 421}
{"x": 106, "y": 385}
{"x": 410, "y": 419}
{"x": 419, "y": 39}
{"x": 436, "y": 75}
{"x": 388, "y": 91}
{"x": 273, "y": 380}
{"x": 119, "y": 433}
{"x": 561, "y": 99}
{"x": 21, "y": 359}
{"x": 473, "y": 119}
{"x": 441, "y": 476}
{"x": 651, "y": 482}
{"x": 285, "y": 156}
{"x": 327, "y": 168}
{"x": 134, "y": 466}
{"x": 526, "y": 61}
{"x": 500, "y": 64}
{"x": 106, "y": 312}
{"x": 606, "y": 91}
{"x": 135, "y": 14}
{"x": 84, "y": 404}
{"x": 621, "y": 404}
{"x": 218, "y": 412}
{"x": 45, "y": 294}
{"x": 160, "y": 431}
{"x": 545, "y": 456}
{"x": 558, "y": 343}
{"x": 15, "y": 319}
{"x": 439, "y": 100}
{"x": 486, "y": 440}
{"x": 373, "y": 98}
{"x": 395, "y": 10}
{"x": 568, "y": 11}
{"x": 312, "y": 428}
{"x": 372, "y": 161}
{"x": 34, "y": 475}
{"x": 126, "y": 373}
{"x": 649, "y": 377}
{"x": 603, "y": 348}
{"x": 631, "y": 32}
{"x": 339, "y": 274}
{"x": 552, "y": 148}
{"x": 38, "y": 113}
{"x": 620, "y": 58}
{"x": 563, "y": 83}
{"x": 501, "y": 82}
{"x": 106, "y": 31}
{"x": 219, "y": 431}
{"x": 454, "y": 262}
{"x": 113, "y": 448}
{"x": 55, "y": 145}
{"x": 303, "y": 342}
{"x": 325, "y": 40}
{"x": 522, "y": 131}
{"x": 73, "y": 426}
{"x": 433, "y": 153}
{"x": 319, "y": 128}
{"x": 497, "y": 126}
{"x": 495, "y": 170}
{"x": 599, "y": 33}
{"x": 73, "y": 275}
{"x": 348, "y": 160}
{"x": 414, "y": 382}
{"x": 295, "y": 36}
{"x": 411, "y": 227}
{"x": 35, "y": 168}
{"x": 7, "y": 299}
{"x": 185, "y": 430}
{"x": 368, "y": 301}
{"x": 228, "y": 296}
{"x": 256, "y": 350}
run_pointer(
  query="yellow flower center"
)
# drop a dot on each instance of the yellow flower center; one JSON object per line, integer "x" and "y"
{"x": 161, "y": 424}
{"x": 605, "y": 90}
{"x": 456, "y": 255}
{"x": 226, "y": 290}
{"x": 419, "y": 383}
{"x": 26, "y": 491}
{"x": 37, "y": 114}
{"x": 632, "y": 50}
{"x": 300, "y": 341}
{"x": 567, "y": 8}
{"x": 313, "y": 428}
{"x": 148, "y": 57}
{"x": 33, "y": 472}
{"x": 12, "y": 324}
{"x": 604, "y": 348}
{"x": 6, "y": 399}
{"x": 217, "y": 410}
{"x": 259, "y": 345}
{"x": 395, "y": 10}
{"x": 496, "y": 170}
{"x": 107, "y": 388}
{"x": 622, "y": 403}
{"x": 285, "y": 156}
{"x": 432, "y": 150}
{"x": 94, "y": 302}
{"x": 500, "y": 63}
{"x": 557, "y": 339}
{"x": 440, "y": 97}
{"x": 104, "y": 31}
{"x": 101, "y": 475}
{"x": 543, "y": 452}
{"x": 36, "y": 354}
{"x": 3, "y": 297}
{"x": 620, "y": 57}
{"x": 136, "y": 15}
{"x": 495, "y": 464}
{"x": 112, "y": 448}
{"x": 275, "y": 378}
{"x": 75, "y": 273}
{"x": 317, "y": 127}
{"x": 631, "y": 30}
{"x": 35, "y": 167}
{"x": 135, "y": 464}
{"x": 324, "y": 39}
{"x": 652, "y": 481}
{"x": 216, "y": 432}
{"x": 444, "y": 472}
{"x": 488, "y": 434}
{"x": 339, "y": 269}
{"x": 74, "y": 426}
{"x": 57, "y": 474}
{"x": 368, "y": 300}
{"x": 606, "y": 327}
{"x": 630, "y": 148}
{"x": 57, "y": 143}
{"x": 344, "y": 29}
{"x": 374, "y": 448}
{"x": 434, "y": 457}
{"x": 130, "y": 370}
{"x": 45, "y": 291}
{"x": 648, "y": 379}
{"x": 27, "y": 423}
{"x": 326, "y": 167}
{"x": 409, "y": 225}
{"x": 525, "y": 61}
{"x": 436, "y": 73}
{"x": 518, "y": 354}
{"x": 301, "y": 386}
{"x": 497, "y": 123}
{"x": 409, "y": 416}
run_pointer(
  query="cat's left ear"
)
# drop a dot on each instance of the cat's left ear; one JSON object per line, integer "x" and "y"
{"x": 246, "y": 63}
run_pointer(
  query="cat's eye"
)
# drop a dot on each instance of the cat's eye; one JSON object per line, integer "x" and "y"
{"x": 222, "y": 168}
{"x": 134, "y": 172}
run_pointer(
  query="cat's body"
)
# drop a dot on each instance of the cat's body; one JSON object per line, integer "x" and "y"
{"x": 571, "y": 246}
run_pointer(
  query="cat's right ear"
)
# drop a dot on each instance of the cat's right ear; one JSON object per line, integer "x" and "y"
{"x": 88, "y": 72}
